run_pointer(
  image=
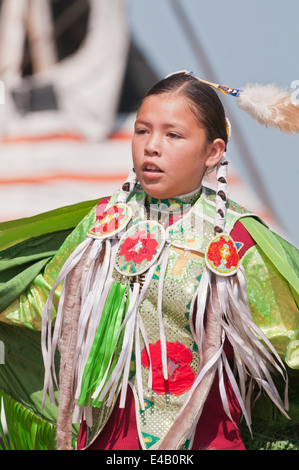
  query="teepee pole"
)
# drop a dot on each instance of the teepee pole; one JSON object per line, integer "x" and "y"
{"x": 41, "y": 35}
{"x": 12, "y": 38}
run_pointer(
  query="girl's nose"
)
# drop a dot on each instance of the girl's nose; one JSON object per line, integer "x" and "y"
{"x": 153, "y": 146}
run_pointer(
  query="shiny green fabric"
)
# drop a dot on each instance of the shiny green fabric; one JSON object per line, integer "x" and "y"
{"x": 272, "y": 279}
{"x": 21, "y": 384}
{"x": 29, "y": 264}
{"x": 271, "y": 430}
{"x": 15, "y": 231}
{"x": 283, "y": 255}
{"x": 21, "y": 264}
{"x": 25, "y": 429}
{"x": 272, "y": 305}
{"x": 33, "y": 251}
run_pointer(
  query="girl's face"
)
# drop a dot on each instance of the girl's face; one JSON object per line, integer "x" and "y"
{"x": 169, "y": 147}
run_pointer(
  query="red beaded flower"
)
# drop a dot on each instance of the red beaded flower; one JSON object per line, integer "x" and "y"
{"x": 180, "y": 374}
{"x": 223, "y": 249}
{"x": 138, "y": 247}
{"x": 110, "y": 220}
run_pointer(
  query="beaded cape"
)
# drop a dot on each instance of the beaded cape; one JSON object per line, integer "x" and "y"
{"x": 27, "y": 309}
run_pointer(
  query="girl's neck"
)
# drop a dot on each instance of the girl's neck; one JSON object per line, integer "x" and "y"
{"x": 174, "y": 203}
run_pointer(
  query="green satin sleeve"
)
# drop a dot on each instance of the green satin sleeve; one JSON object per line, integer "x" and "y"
{"x": 272, "y": 304}
{"x": 27, "y": 308}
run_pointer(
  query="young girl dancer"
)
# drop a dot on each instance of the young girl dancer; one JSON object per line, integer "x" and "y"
{"x": 177, "y": 305}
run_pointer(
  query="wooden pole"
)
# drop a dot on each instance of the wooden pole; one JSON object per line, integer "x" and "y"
{"x": 41, "y": 35}
{"x": 12, "y": 38}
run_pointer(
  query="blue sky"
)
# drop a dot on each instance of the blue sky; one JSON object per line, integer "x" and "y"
{"x": 242, "y": 42}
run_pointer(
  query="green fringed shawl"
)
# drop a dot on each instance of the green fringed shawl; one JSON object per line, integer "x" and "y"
{"x": 27, "y": 245}
{"x": 283, "y": 255}
{"x": 63, "y": 218}
{"x": 25, "y": 430}
{"x": 21, "y": 384}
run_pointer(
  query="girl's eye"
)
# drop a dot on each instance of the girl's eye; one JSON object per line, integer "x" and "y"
{"x": 173, "y": 135}
{"x": 140, "y": 131}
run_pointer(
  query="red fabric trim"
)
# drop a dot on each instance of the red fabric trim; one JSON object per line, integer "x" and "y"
{"x": 82, "y": 436}
{"x": 215, "y": 431}
{"x": 240, "y": 234}
{"x": 119, "y": 433}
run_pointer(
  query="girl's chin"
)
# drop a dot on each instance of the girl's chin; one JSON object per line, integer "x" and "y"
{"x": 159, "y": 194}
{"x": 159, "y": 189}
{"x": 155, "y": 190}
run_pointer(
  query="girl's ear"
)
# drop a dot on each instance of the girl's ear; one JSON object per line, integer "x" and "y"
{"x": 215, "y": 151}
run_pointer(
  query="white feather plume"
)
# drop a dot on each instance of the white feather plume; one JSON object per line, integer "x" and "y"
{"x": 270, "y": 106}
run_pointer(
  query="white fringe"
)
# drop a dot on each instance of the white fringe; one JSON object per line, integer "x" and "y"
{"x": 49, "y": 344}
{"x": 255, "y": 357}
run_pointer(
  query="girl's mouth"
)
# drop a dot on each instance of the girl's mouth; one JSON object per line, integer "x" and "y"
{"x": 150, "y": 168}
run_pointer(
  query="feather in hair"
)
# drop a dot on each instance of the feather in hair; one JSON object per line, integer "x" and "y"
{"x": 267, "y": 104}
{"x": 270, "y": 106}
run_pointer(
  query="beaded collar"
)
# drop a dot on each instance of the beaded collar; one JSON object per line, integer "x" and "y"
{"x": 173, "y": 204}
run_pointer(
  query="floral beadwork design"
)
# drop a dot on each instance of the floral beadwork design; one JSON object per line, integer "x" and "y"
{"x": 138, "y": 247}
{"x": 222, "y": 255}
{"x": 111, "y": 221}
{"x": 180, "y": 374}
